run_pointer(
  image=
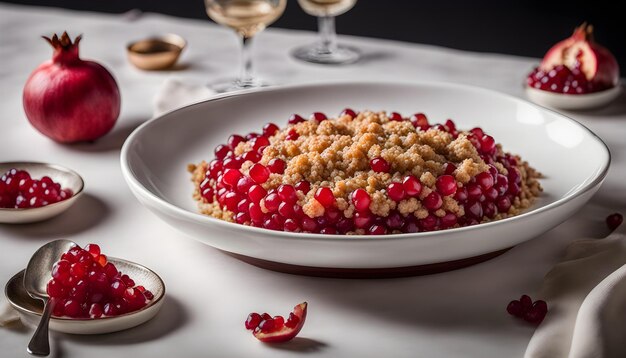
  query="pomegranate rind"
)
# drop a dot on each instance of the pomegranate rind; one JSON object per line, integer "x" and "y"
{"x": 286, "y": 333}
{"x": 597, "y": 63}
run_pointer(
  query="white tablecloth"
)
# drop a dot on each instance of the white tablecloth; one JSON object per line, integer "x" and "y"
{"x": 460, "y": 313}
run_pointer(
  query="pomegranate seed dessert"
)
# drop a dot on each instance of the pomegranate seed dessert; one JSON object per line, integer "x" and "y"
{"x": 85, "y": 285}
{"x": 20, "y": 191}
{"x": 576, "y": 65}
{"x": 526, "y": 309}
{"x": 276, "y": 329}
{"x": 364, "y": 173}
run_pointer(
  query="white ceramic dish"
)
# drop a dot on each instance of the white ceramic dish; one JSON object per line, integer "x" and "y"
{"x": 66, "y": 177}
{"x": 29, "y": 309}
{"x": 573, "y": 160}
{"x": 571, "y": 101}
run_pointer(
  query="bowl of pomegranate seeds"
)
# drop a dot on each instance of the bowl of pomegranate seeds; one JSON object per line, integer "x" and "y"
{"x": 31, "y": 192}
{"x": 364, "y": 177}
{"x": 92, "y": 293}
{"x": 576, "y": 73}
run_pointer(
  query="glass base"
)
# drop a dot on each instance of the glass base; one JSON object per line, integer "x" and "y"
{"x": 231, "y": 85}
{"x": 341, "y": 55}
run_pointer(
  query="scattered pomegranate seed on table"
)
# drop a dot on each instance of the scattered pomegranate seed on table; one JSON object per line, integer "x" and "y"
{"x": 19, "y": 190}
{"x": 526, "y": 309}
{"x": 276, "y": 329}
{"x": 85, "y": 285}
{"x": 613, "y": 221}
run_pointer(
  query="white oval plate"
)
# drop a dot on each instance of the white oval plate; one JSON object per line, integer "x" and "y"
{"x": 29, "y": 309}
{"x": 573, "y": 101}
{"x": 573, "y": 160}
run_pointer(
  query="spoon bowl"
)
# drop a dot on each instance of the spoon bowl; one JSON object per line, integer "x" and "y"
{"x": 36, "y": 277}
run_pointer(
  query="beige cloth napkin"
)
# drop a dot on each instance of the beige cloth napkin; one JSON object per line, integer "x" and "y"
{"x": 175, "y": 93}
{"x": 586, "y": 295}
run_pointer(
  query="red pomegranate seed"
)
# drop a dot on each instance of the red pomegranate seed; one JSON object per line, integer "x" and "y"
{"x": 286, "y": 210}
{"x": 256, "y": 214}
{"x": 503, "y": 204}
{"x": 276, "y": 166}
{"x": 95, "y": 311}
{"x": 291, "y": 225}
{"x": 489, "y": 209}
{"x": 362, "y": 219}
{"x": 395, "y": 191}
{"x": 412, "y": 186}
{"x": 325, "y": 197}
{"x": 446, "y": 185}
{"x": 474, "y": 191}
{"x": 272, "y": 201}
{"x": 613, "y": 221}
{"x": 243, "y": 205}
{"x": 55, "y": 288}
{"x": 270, "y": 129}
{"x": 450, "y": 125}
{"x": 526, "y": 302}
{"x": 252, "y": 156}
{"x": 448, "y": 220}
{"x": 292, "y": 321}
{"x": 259, "y": 173}
{"x": 395, "y": 116}
{"x": 394, "y": 220}
{"x": 515, "y": 176}
{"x": 515, "y": 308}
{"x": 234, "y": 140}
{"x": 380, "y": 165}
{"x": 233, "y": 162}
{"x": 72, "y": 308}
{"x": 287, "y": 193}
{"x": 377, "y": 230}
{"x": 348, "y": 112}
{"x": 485, "y": 180}
{"x": 259, "y": 142}
{"x": 256, "y": 193}
{"x": 474, "y": 210}
{"x": 242, "y": 218}
{"x": 487, "y": 144}
{"x": 361, "y": 199}
{"x": 231, "y": 199}
{"x": 345, "y": 225}
{"x": 514, "y": 189}
{"x": 231, "y": 177}
{"x": 292, "y": 135}
{"x": 428, "y": 223}
{"x": 295, "y": 119}
{"x": 221, "y": 151}
{"x": 328, "y": 231}
{"x": 536, "y": 313}
{"x": 449, "y": 168}
{"x": 318, "y": 116}
{"x": 432, "y": 201}
{"x": 244, "y": 184}
{"x": 419, "y": 120}
{"x": 309, "y": 224}
{"x": 271, "y": 224}
{"x": 501, "y": 184}
{"x": 303, "y": 186}
{"x": 491, "y": 194}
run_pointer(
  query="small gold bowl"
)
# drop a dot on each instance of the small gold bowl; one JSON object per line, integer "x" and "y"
{"x": 156, "y": 53}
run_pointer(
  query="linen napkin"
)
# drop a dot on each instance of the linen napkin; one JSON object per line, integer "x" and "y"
{"x": 586, "y": 295}
{"x": 7, "y": 313}
{"x": 175, "y": 93}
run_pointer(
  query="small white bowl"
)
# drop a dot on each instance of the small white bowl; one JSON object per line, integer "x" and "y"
{"x": 67, "y": 178}
{"x": 572, "y": 101}
{"x": 29, "y": 309}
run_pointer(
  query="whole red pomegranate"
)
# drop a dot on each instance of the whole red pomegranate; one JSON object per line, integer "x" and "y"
{"x": 69, "y": 99}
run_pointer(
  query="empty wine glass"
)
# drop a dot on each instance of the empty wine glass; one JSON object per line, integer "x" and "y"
{"x": 246, "y": 17}
{"x": 326, "y": 50}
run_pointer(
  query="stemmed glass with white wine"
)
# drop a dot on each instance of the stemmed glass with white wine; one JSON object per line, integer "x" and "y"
{"x": 326, "y": 50}
{"x": 246, "y": 17}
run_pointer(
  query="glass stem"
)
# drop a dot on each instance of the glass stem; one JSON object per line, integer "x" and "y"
{"x": 245, "y": 76}
{"x": 328, "y": 35}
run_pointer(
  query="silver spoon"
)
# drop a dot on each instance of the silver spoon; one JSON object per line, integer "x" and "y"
{"x": 36, "y": 277}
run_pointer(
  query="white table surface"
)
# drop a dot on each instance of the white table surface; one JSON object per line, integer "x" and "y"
{"x": 460, "y": 313}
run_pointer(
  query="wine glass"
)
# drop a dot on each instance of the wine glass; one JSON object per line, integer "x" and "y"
{"x": 326, "y": 50}
{"x": 246, "y": 17}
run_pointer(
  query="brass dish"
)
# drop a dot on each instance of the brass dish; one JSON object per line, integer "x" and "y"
{"x": 156, "y": 53}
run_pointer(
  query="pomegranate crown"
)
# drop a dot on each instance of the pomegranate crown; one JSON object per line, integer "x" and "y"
{"x": 65, "y": 51}
{"x": 584, "y": 32}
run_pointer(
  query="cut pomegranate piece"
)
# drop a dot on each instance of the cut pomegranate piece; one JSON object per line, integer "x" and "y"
{"x": 275, "y": 329}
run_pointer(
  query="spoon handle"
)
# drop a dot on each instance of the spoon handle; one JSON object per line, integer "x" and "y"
{"x": 39, "y": 345}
